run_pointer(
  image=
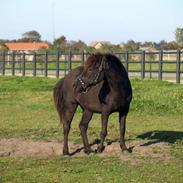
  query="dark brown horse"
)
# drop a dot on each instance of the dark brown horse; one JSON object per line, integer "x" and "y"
{"x": 100, "y": 86}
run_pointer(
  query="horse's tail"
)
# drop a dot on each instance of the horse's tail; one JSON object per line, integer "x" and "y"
{"x": 58, "y": 98}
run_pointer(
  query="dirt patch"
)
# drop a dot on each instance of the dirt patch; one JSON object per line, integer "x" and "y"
{"x": 159, "y": 151}
{"x": 28, "y": 148}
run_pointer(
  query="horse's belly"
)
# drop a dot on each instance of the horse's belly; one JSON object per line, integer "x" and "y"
{"x": 91, "y": 100}
{"x": 90, "y": 103}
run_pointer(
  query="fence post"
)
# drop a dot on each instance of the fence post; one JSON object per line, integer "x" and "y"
{"x": 126, "y": 60}
{"x": 69, "y": 60}
{"x": 20, "y": 63}
{"x": 3, "y": 64}
{"x": 150, "y": 70}
{"x": 143, "y": 65}
{"x": 13, "y": 64}
{"x": 160, "y": 69}
{"x": 23, "y": 64}
{"x": 34, "y": 64}
{"x": 178, "y": 66}
{"x": 57, "y": 64}
{"x": 46, "y": 65}
{"x": 82, "y": 58}
{"x": 65, "y": 64}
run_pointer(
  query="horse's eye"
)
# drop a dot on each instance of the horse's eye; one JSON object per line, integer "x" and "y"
{"x": 89, "y": 70}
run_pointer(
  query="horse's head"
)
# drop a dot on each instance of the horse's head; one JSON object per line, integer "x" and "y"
{"x": 94, "y": 66}
{"x": 93, "y": 72}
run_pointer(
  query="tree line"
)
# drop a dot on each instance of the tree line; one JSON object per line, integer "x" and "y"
{"x": 63, "y": 45}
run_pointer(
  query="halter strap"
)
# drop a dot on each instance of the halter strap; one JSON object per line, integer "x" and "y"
{"x": 86, "y": 85}
{"x": 94, "y": 81}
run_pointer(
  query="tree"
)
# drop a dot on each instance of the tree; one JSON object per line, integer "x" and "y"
{"x": 105, "y": 48}
{"x": 60, "y": 44}
{"x": 78, "y": 46}
{"x": 60, "y": 40}
{"x": 163, "y": 45}
{"x": 173, "y": 45}
{"x": 179, "y": 36}
{"x": 25, "y": 40}
{"x": 149, "y": 44}
{"x": 131, "y": 45}
{"x": 32, "y": 36}
{"x": 3, "y": 47}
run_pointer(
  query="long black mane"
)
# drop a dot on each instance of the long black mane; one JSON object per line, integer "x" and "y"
{"x": 113, "y": 62}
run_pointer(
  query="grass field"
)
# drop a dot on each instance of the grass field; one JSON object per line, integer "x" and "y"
{"x": 155, "y": 118}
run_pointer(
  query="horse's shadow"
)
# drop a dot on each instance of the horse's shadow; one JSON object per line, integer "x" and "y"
{"x": 153, "y": 137}
{"x": 96, "y": 141}
{"x": 156, "y": 136}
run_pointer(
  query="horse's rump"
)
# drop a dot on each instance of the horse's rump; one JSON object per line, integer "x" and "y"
{"x": 58, "y": 97}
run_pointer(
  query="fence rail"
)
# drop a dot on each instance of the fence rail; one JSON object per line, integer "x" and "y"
{"x": 160, "y": 65}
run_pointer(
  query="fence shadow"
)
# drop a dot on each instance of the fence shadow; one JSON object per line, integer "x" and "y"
{"x": 161, "y": 136}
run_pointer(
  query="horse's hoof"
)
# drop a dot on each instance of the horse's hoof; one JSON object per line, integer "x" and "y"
{"x": 126, "y": 151}
{"x": 65, "y": 153}
{"x": 88, "y": 151}
{"x": 100, "y": 149}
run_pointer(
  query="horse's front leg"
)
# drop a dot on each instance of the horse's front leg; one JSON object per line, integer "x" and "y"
{"x": 103, "y": 132}
{"x": 87, "y": 115}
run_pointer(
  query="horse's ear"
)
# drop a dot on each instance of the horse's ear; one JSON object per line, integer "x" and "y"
{"x": 92, "y": 55}
{"x": 104, "y": 64}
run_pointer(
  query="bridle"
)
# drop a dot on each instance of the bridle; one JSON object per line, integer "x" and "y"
{"x": 86, "y": 85}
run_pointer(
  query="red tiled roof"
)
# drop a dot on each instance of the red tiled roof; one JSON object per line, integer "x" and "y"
{"x": 26, "y": 46}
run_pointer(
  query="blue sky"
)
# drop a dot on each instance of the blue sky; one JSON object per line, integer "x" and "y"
{"x": 110, "y": 20}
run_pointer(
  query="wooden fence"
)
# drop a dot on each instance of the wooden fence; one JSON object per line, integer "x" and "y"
{"x": 158, "y": 65}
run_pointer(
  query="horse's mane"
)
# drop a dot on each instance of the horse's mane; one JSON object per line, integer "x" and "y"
{"x": 94, "y": 61}
{"x": 112, "y": 59}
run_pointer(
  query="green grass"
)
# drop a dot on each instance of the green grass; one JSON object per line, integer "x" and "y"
{"x": 154, "y": 66}
{"x": 40, "y": 65}
{"x": 27, "y": 111}
{"x": 89, "y": 169}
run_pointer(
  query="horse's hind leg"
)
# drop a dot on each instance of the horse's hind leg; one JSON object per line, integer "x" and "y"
{"x": 103, "y": 132}
{"x": 67, "y": 119}
{"x": 87, "y": 115}
{"x": 122, "y": 124}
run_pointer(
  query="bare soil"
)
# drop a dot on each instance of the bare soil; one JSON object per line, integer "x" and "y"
{"x": 41, "y": 149}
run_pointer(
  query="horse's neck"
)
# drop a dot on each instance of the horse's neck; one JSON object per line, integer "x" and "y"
{"x": 117, "y": 80}
{"x": 113, "y": 80}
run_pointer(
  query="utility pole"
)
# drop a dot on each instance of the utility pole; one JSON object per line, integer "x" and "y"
{"x": 53, "y": 19}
